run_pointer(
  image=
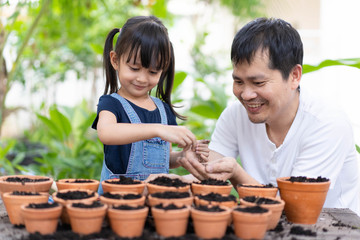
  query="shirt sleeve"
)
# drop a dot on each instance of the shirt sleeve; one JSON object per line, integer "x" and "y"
{"x": 108, "y": 103}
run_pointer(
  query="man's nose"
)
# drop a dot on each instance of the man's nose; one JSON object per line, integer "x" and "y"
{"x": 248, "y": 93}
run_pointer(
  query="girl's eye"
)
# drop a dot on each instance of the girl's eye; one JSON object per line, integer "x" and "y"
{"x": 134, "y": 68}
{"x": 153, "y": 72}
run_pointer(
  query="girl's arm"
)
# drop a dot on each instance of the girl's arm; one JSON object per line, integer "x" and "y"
{"x": 112, "y": 133}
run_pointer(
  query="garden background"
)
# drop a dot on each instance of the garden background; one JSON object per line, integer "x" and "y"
{"x": 51, "y": 76}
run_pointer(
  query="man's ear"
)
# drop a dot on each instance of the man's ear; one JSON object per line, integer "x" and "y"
{"x": 114, "y": 60}
{"x": 295, "y": 76}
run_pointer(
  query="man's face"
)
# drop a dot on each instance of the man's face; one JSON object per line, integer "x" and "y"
{"x": 267, "y": 97}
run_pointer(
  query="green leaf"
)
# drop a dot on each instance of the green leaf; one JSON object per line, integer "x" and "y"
{"x": 179, "y": 79}
{"x": 62, "y": 123}
{"x": 351, "y": 62}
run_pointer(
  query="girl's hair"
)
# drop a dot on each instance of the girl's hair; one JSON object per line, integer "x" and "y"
{"x": 148, "y": 37}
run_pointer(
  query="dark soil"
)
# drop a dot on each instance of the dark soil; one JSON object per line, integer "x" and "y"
{"x": 260, "y": 200}
{"x": 122, "y": 196}
{"x": 22, "y": 193}
{"x": 124, "y": 180}
{"x": 74, "y": 195}
{"x": 216, "y": 197}
{"x": 127, "y": 207}
{"x": 168, "y": 182}
{"x": 298, "y": 230}
{"x": 257, "y": 186}
{"x": 255, "y": 209}
{"x": 306, "y": 179}
{"x": 79, "y": 181}
{"x": 42, "y": 205}
{"x": 212, "y": 181}
{"x": 171, "y": 195}
{"x": 24, "y": 180}
{"x": 94, "y": 204}
{"x": 209, "y": 208}
{"x": 168, "y": 207}
{"x": 340, "y": 224}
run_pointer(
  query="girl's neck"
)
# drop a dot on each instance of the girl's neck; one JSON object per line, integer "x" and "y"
{"x": 144, "y": 101}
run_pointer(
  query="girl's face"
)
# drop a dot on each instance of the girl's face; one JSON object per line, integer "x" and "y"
{"x": 135, "y": 80}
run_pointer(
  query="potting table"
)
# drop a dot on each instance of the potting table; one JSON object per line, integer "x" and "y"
{"x": 332, "y": 224}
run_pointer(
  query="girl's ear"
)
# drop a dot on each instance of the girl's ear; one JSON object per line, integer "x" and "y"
{"x": 114, "y": 60}
{"x": 295, "y": 75}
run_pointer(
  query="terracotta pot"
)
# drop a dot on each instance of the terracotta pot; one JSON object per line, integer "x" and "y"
{"x": 246, "y": 190}
{"x": 128, "y": 223}
{"x": 197, "y": 188}
{"x": 250, "y": 225}
{"x": 43, "y": 186}
{"x": 13, "y": 204}
{"x": 86, "y": 220}
{"x": 129, "y": 188}
{"x": 229, "y": 204}
{"x": 172, "y": 222}
{"x": 303, "y": 200}
{"x": 64, "y": 215}
{"x": 70, "y": 183}
{"x": 276, "y": 210}
{"x": 153, "y": 188}
{"x": 42, "y": 220}
{"x": 132, "y": 202}
{"x": 153, "y": 200}
{"x": 209, "y": 225}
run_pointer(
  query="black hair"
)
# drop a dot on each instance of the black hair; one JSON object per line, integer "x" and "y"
{"x": 148, "y": 37}
{"x": 276, "y": 36}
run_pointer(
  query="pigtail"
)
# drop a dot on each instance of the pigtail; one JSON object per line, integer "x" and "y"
{"x": 111, "y": 84}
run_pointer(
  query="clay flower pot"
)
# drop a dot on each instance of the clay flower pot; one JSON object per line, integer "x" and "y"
{"x": 166, "y": 184}
{"x": 70, "y": 183}
{"x": 121, "y": 185}
{"x": 81, "y": 196}
{"x": 211, "y": 185}
{"x": 42, "y": 218}
{"x": 216, "y": 199}
{"x": 275, "y": 205}
{"x": 86, "y": 217}
{"x": 13, "y": 202}
{"x": 127, "y": 221}
{"x": 260, "y": 190}
{"x": 166, "y": 198}
{"x": 122, "y": 198}
{"x": 28, "y": 183}
{"x": 170, "y": 220}
{"x": 250, "y": 222}
{"x": 212, "y": 224}
{"x": 303, "y": 200}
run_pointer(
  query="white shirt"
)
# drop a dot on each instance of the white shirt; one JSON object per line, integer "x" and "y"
{"x": 319, "y": 143}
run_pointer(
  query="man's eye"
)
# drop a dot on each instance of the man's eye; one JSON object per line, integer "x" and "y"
{"x": 259, "y": 83}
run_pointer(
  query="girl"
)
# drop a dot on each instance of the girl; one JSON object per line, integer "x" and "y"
{"x": 135, "y": 128}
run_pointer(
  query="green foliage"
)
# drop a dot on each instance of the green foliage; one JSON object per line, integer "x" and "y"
{"x": 73, "y": 149}
{"x": 7, "y": 166}
{"x": 351, "y": 62}
{"x": 357, "y": 148}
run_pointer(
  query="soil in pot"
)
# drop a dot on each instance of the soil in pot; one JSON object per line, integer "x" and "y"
{"x": 67, "y": 196}
{"x": 86, "y": 218}
{"x": 14, "y": 200}
{"x": 41, "y": 217}
{"x": 169, "y": 197}
{"x": 304, "y": 197}
{"x": 260, "y": 190}
{"x": 216, "y": 199}
{"x": 211, "y": 185}
{"x": 90, "y": 184}
{"x": 210, "y": 221}
{"x": 25, "y": 183}
{"x": 119, "y": 198}
{"x": 163, "y": 184}
{"x": 275, "y": 205}
{"x": 250, "y": 222}
{"x": 127, "y": 221}
{"x": 123, "y": 184}
{"x": 170, "y": 220}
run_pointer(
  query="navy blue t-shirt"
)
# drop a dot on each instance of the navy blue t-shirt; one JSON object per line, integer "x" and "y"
{"x": 117, "y": 156}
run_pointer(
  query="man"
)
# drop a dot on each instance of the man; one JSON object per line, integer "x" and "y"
{"x": 276, "y": 128}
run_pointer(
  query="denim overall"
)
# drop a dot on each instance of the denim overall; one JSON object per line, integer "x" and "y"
{"x": 147, "y": 156}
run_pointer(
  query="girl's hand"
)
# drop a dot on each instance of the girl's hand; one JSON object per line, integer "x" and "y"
{"x": 179, "y": 135}
{"x": 202, "y": 150}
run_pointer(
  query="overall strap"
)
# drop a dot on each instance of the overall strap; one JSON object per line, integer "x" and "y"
{"x": 160, "y": 106}
{"x": 134, "y": 118}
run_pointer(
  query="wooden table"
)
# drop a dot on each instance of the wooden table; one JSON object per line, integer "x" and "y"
{"x": 332, "y": 224}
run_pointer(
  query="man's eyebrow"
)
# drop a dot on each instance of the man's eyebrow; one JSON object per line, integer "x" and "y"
{"x": 254, "y": 77}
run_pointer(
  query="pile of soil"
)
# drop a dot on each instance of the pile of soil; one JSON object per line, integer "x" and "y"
{"x": 308, "y": 180}
{"x": 168, "y": 182}
{"x": 128, "y": 207}
{"x": 22, "y": 193}
{"x": 216, "y": 197}
{"x": 298, "y": 230}
{"x": 42, "y": 205}
{"x": 74, "y": 195}
{"x": 80, "y": 181}
{"x": 122, "y": 196}
{"x": 94, "y": 204}
{"x": 24, "y": 180}
{"x": 260, "y": 200}
{"x": 213, "y": 181}
{"x": 255, "y": 209}
{"x": 168, "y": 207}
{"x": 171, "y": 195}
{"x": 257, "y": 186}
{"x": 124, "y": 180}
{"x": 209, "y": 208}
